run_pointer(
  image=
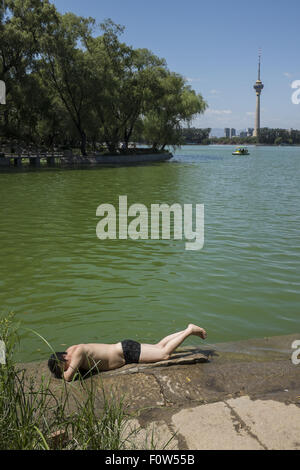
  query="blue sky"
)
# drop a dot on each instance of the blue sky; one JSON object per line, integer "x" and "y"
{"x": 214, "y": 44}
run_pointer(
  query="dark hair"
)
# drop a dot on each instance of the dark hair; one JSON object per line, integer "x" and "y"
{"x": 55, "y": 364}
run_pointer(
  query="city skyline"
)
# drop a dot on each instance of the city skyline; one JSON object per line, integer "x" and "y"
{"x": 200, "y": 42}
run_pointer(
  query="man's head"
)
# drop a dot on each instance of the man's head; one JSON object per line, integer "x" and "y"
{"x": 57, "y": 363}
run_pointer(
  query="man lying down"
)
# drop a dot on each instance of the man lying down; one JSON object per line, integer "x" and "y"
{"x": 103, "y": 357}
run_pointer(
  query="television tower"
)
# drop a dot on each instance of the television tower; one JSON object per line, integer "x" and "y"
{"x": 258, "y": 87}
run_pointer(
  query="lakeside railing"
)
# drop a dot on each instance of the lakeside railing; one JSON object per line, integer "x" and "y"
{"x": 31, "y": 158}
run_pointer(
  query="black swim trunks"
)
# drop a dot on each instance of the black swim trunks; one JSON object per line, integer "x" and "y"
{"x": 131, "y": 351}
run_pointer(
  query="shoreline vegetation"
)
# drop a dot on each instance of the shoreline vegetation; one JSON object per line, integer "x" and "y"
{"x": 71, "y": 83}
{"x": 36, "y": 416}
{"x": 267, "y": 136}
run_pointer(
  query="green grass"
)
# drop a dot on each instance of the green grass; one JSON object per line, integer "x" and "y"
{"x": 31, "y": 413}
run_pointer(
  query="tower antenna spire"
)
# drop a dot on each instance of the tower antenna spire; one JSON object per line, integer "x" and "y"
{"x": 259, "y": 62}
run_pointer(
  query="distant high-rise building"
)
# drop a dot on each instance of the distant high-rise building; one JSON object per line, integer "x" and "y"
{"x": 229, "y": 132}
{"x": 250, "y": 131}
{"x": 243, "y": 134}
{"x": 258, "y": 87}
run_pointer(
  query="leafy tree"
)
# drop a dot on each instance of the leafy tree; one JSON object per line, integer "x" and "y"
{"x": 63, "y": 67}
{"x": 125, "y": 82}
{"x": 64, "y": 84}
{"x": 193, "y": 135}
{"x": 274, "y": 136}
{"x": 177, "y": 105}
{"x": 22, "y": 23}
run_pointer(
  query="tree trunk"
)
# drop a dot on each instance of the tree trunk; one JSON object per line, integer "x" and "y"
{"x": 126, "y": 141}
{"x": 83, "y": 143}
{"x": 6, "y": 121}
{"x": 111, "y": 147}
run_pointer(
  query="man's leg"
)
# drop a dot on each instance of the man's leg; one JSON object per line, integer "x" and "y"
{"x": 163, "y": 350}
{"x": 166, "y": 340}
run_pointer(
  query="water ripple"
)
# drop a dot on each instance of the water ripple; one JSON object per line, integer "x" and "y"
{"x": 71, "y": 287}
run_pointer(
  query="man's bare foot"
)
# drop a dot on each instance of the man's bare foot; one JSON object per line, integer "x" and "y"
{"x": 197, "y": 331}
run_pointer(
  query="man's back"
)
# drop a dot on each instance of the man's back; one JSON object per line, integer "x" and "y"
{"x": 93, "y": 355}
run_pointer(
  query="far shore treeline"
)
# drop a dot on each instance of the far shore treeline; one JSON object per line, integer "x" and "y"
{"x": 72, "y": 83}
{"x": 267, "y": 136}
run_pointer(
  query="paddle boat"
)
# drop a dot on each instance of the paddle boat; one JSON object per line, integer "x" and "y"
{"x": 241, "y": 151}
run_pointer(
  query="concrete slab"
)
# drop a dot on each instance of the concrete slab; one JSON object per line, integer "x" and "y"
{"x": 154, "y": 436}
{"x": 212, "y": 427}
{"x": 276, "y": 425}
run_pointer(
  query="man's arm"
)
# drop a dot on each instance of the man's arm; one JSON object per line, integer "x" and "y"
{"x": 76, "y": 361}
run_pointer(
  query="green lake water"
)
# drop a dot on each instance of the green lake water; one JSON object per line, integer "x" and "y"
{"x": 70, "y": 287}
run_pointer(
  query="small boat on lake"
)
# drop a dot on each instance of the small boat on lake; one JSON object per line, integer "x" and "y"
{"x": 241, "y": 151}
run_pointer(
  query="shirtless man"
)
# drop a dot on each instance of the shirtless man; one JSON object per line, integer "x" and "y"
{"x": 103, "y": 357}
